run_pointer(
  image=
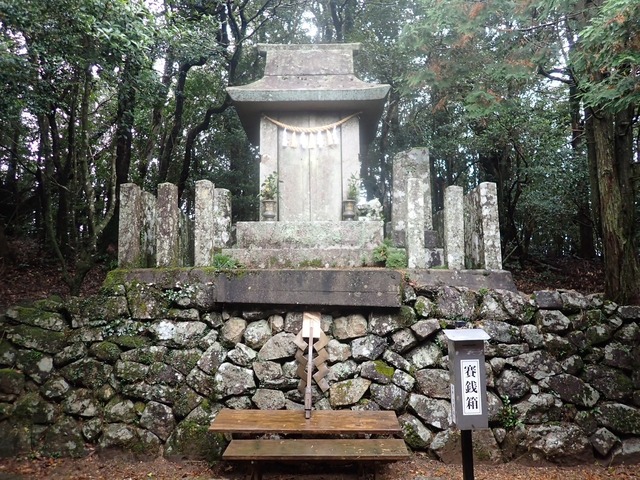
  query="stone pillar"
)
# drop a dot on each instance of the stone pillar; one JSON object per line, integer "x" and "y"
{"x": 130, "y": 227}
{"x": 415, "y": 223}
{"x": 204, "y": 223}
{"x": 411, "y": 164}
{"x": 454, "y": 228}
{"x": 221, "y": 218}
{"x": 488, "y": 201}
{"x": 149, "y": 226}
{"x": 167, "y": 232}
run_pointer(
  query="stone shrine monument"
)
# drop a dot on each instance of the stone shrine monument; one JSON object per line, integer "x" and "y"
{"x": 311, "y": 118}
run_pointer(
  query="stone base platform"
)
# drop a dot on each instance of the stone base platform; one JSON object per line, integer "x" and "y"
{"x": 306, "y": 235}
{"x": 348, "y": 287}
{"x": 301, "y": 257}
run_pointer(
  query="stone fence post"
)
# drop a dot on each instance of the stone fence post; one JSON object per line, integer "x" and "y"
{"x": 454, "y": 228}
{"x": 167, "y": 233}
{"x": 482, "y": 228}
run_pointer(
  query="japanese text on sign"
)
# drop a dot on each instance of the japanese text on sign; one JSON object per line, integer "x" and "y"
{"x": 470, "y": 376}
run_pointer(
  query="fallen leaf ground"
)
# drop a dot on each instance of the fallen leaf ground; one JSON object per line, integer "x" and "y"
{"x": 419, "y": 467}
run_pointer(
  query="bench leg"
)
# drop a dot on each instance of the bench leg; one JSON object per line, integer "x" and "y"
{"x": 256, "y": 471}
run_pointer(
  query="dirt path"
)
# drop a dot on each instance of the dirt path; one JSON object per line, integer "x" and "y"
{"x": 418, "y": 468}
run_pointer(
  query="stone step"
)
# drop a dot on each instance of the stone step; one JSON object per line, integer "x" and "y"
{"x": 301, "y": 257}
{"x": 321, "y": 234}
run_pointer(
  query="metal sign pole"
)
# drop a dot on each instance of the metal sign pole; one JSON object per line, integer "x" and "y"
{"x": 467, "y": 454}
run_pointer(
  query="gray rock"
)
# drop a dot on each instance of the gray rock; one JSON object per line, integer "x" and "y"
{"x": 494, "y": 406}
{"x": 426, "y": 355}
{"x": 63, "y": 439}
{"x": 389, "y": 397}
{"x": 628, "y": 334}
{"x": 558, "y": 346}
{"x": 178, "y": 334}
{"x": 233, "y": 380}
{"x": 130, "y": 372}
{"x": 87, "y": 372}
{"x": 269, "y": 374}
{"x": 161, "y": 373}
{"x": 425, "y": 328}
{"x": 610, "y": 382}
{"x": 120, "y": 411}
{"x": 531, "y": 334}
{"x": 402, "y": 340}
{"x": 403, "y": 380}
{"x": 565, "y": 442}
{"x": 279, "y": 346}
{"x": 619, "y": 356}
{"x": 232, "y": 331}
{"x": 370, "y": 347}
{"x": 491, "y": 308}
{"x": 628, "y": 453}
{"x": 34, "y": 408}
{"x": 455, "y": 302}
{"x": 423, "y": 307}
{"x": 242, "y": 355}
{"x": 257, "y": 334}
{"x": 505, "y": 350}
{"x": 447, "y": 447}
{"x": 572, "y": 365}
{"x": 598, "y": 334}
{"x": 620, "y": 418}
{"x": 434, "y": 383}
{"x": 338, "y": 352}
{"x": 145, "y": 355}
{"x": 348, "y": 392}
{"x": 293, "y": 322}
{"x": 276, "y": 322}
{"x": 501, "y": 331}
{"x": 342, "y": 371}
{"x": 212, "y": 358}
{"x": 55, "y": 389}
{"x": 351, "y": 326}
{"x": 414, "y": 432}
{"x": 603, "y": 441}
{"x": 512, "y": 384}
{"x": 538, "y": 364}
{"x": 436, "y": 413}
{"x": 629, "y": 312}
{"x": 239, "y": 403}
{"x": 158, "y": 419}
{"x": 397, "y": 360}
{"x": 127, "y": 437}
{"x": 573, "y": 301}
{"x": 552, "y": 321}
{"x": 548, "y": 299}
{"x": 202, "y": 383}
{"x": 267, "y": 399}
{"x": 572, "y": 390}
{"x": 378, "y": 371}
{"x": 82, "y": 403}
{"x": 92, "y": 429}
{"x": 540, "y": 408}
{"x": 183, "y": 360}
{"x": 384, "y": 323}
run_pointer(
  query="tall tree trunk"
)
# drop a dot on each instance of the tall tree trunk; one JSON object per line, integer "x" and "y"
{"x": 622, "y": 279}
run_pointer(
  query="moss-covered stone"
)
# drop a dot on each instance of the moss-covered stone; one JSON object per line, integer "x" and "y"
{"x": 87, "y": 372}
{"x": 37, "y": 318}
{"x": 105, "y": 351}
{"x": 37, "y": 338}
{"x": 11, "y": 381}
{"x": 7, "y": 353}
{"x": 34, "y": 408}
{"x": 194, "y": 441}
{"x": 130, "y": 341}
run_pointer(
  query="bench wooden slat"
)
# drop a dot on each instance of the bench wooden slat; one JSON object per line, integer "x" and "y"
{"x": 380, "y": 450}
{"x": 293, "y": 421}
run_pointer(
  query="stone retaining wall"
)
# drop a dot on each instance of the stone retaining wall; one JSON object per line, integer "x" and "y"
{"x": 145, "y": 369}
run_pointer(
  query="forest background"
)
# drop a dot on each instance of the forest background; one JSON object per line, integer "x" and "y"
{"x": 540, "y": 96}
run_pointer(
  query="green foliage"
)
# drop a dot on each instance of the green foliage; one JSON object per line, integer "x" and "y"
{"x": 220, "y": 261}
{"x": 353, "y": 187}
{"x": 391, "y": 256}
{"x": 508, "y": 417}
{"x": 269, "y": 188}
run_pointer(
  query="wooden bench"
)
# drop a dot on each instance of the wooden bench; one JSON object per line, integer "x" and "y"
{"x": 322, "y": 424}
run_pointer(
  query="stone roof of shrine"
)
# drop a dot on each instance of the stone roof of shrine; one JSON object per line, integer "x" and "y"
{"x": 314, "y": 78}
